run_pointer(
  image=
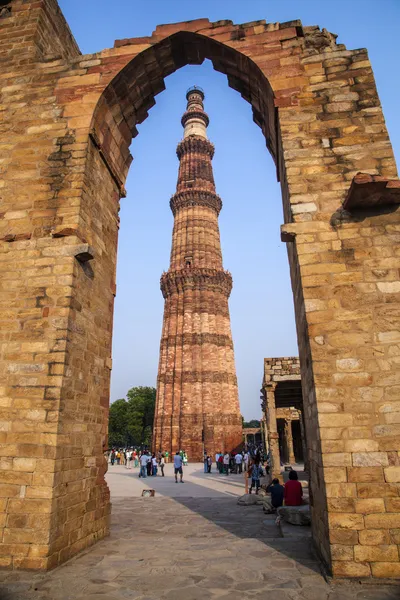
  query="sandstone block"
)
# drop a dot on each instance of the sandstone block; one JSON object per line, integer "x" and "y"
{"x": 341, "y": 552}
{"x": 392, "y": 504}
{"x": 24, "y": 464}
{"x": 337, "y": 459}
{"x": 382, "y": 521}
{"x": 342, "y": 505}
{"x": 346, "y": 521}
{"x": 392, "y": 474}
{"x": 376, "y": 553}
{"x": 365, "y": 474}
{"x": 374, "y": 537}
{"x": 365, "y": 445}
{"x": 346, "y": 537}
{"x": 350, "y": 569}
{"x": 335, "y": 475}
{"x": 370, "y": 505}
{"x": 370, "y": 459}
{"x": 375, "y": 490}
{"x": 341, "y": 490}
{"x": 386, "y": 569}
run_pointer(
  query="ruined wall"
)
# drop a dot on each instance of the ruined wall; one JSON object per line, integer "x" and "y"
{"x": 65, "y": 133}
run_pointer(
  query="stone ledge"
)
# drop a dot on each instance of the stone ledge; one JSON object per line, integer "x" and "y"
{"x": 372, "y": 190}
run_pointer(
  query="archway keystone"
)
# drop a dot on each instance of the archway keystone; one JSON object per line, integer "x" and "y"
{"x": 68, "y": 121}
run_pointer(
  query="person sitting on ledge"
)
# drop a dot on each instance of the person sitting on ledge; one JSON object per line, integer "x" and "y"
{"x": 277, "y": 491}
{"x": 293, "y": 494}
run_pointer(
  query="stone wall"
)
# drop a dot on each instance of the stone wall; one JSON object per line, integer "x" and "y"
{"x": 66, "y": 127}
{"x": 281, "y": 369}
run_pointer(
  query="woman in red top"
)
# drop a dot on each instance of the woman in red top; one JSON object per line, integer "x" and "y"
{"x": 293, "y": 494}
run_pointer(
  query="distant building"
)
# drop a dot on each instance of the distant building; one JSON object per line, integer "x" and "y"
{"x": 282, "y": 405}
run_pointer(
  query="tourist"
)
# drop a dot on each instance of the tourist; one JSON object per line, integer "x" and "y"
{"x": 238, "y": 463}
{"x": 226, "y": 460}
{"x": 276, "y": 499}
{"x": 255, "y": 472}
{"x": 128, "y": 456}
{"x": 153, "y": 465}
{"x": 232, "y": 465}
{"x": 166, "y": 457}
{"x": 185, "y": 459}
{"x": 293, "y": 494}
{"x": 209, "y": 463}
{"x": 112, "y": 457}
{"x": 216, "y": 459}
{"x": 221, "y": 463}
{"x": 246, "y": 460}
{"x": 205, "y": 462}
{"x": 121, "y": 456}
{"x": 162, "y": 464}
{"x": 135, "y": 458}
{"x": 178, "y": 462}
{"x": 149, "y": 464}
{"x": 143, "y": 464}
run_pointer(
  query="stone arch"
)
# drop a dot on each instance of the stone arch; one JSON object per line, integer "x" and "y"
{"x": 123, "y": 104}
{"x": 63, "y": 176}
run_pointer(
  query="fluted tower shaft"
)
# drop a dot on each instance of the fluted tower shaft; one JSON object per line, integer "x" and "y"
{"x": 197, "y": 407}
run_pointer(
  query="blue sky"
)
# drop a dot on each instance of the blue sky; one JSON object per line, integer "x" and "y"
{"x": 261, "y": 302}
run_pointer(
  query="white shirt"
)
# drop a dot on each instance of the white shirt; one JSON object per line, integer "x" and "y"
{"x": 238, "y": 459}
{"x": 226, "y": 459}
{"x": 216, "y": 457}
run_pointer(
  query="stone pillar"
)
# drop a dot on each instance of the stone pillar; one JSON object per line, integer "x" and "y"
{"x": 264, "y": 433}
{"x": 273, "y": 437}
{"x": 303, "y": 439}
{"x": 289, "y": 441}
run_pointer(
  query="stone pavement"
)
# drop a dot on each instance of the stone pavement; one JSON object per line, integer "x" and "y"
{"x": 190, "y": 542}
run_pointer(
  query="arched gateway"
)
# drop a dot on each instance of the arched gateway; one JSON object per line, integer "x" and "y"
{"x": 67, "y": 123}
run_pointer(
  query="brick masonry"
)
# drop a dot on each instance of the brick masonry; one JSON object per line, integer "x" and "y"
{"x": 67, "y": 121}
{"x": 197, "y": 407}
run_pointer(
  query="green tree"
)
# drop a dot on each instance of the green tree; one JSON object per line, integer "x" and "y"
{"x": 131, "y": 421}
{"x": 252, "y": 423}
{"x": 117, "y": 430}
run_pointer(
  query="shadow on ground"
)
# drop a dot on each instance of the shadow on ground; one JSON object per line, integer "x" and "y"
{"x": 189, "y": 547}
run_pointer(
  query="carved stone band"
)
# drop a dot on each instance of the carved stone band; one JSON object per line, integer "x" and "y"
{"x": 194, "y": 144}
{"x": 198, "y": 339}
{"x": 175, "y": 282}
{"x": 195, "y": 198}
{"x": 194, "y": 114}
{"x": 198, "y": 376}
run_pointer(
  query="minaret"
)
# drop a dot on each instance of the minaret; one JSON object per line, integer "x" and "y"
{"x": 197, "y": 406}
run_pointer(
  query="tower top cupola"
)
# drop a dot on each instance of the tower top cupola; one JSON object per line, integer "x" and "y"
{"x": 195, "y": 120}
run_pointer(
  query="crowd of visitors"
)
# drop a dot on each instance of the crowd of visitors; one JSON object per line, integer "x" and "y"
{"x": 250, "y": 460}
{"x": 148, "y": 462}
{"x": 234, "y": 462}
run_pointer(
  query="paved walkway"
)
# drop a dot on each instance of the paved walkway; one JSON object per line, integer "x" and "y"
{"x": 190, "y": 542}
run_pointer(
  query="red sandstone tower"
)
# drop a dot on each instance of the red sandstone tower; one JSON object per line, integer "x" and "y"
{"x": 197, "y": 404}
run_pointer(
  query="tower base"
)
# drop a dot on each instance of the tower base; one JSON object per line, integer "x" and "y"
{"x": 196, "y": 435}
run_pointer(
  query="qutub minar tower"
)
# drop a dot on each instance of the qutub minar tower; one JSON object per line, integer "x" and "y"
{"x": 197, "y": 407}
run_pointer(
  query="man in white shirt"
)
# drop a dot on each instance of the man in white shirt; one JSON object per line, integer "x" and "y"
{"x": 178, "y": 467}
{"x": 238, "y": 463}
{"x": 226, "y": 463}
{"x": 216, "y": 460}
{"x": 143, "y": 465}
